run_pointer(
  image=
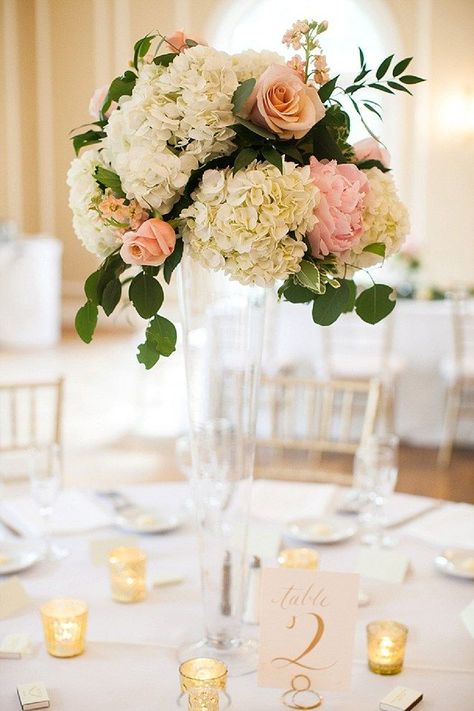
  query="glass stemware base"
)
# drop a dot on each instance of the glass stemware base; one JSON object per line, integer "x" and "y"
{"x": 240, "y": 656}
{"x": 53, "y": 552}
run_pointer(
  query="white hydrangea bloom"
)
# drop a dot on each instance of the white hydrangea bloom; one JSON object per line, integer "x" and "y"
{"x": 177, "y": 118}
{"x": 385, "y": 220}
{"x": 250, "y": 63}
{"x": 88, "y": 226}
{"x": 241, "y": 223}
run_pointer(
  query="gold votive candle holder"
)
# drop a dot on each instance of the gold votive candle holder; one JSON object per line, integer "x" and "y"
{"x": 386, "y": 641}
{"x": 305, "y": 558}
{"x": 128, "y": 574}
{"x": 202, "y": 672}
{"x": 203, "y": 699}
{"x": 64, "y": 625}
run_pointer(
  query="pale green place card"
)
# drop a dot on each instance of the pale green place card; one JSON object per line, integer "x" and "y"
{"x": 388, "y": 566}
{"x": 13, "y": 597}
{"x": 467, "y": 616}
{"x": 100, "y": 548}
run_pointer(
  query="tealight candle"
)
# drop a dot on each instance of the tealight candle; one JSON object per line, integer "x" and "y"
{"x": 386, "y": 641}
{"x": 203, "y": 699}
{"x": 202, "y": 672}
{"x": 306, "y": 558}
{"x": 128, "y": 574}
{"x": 64, "y": 624}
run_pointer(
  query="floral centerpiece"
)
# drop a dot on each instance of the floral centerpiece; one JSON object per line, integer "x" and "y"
{"x": 245, "y": 161}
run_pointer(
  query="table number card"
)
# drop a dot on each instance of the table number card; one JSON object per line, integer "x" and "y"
{"x": 307, "y": 626}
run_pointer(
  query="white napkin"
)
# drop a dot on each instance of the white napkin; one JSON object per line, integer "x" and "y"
{"x": 451, "y": 526}
{"x": 74, "y": 512}
{"x": 283, "y": 501}
{"x": 402, "y": 507}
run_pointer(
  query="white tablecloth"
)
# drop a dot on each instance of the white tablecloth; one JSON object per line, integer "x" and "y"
{"x": 130, "y": 661}
{"x": 422, "y": 337}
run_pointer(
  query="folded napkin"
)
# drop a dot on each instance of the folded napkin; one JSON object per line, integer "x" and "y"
{"x": 282, "y": 501}
{"x": 451, "y": 526}
{"x": 404, "y": 507}
{"x": 74, "y": 512}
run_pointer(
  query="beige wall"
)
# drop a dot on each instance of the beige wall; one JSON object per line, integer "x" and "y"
{"x": 55, "y": 52}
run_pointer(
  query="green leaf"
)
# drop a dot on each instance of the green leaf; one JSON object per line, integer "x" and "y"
{"x": 90, "y": 287}
{"x": 148, "y": 355}
{"x": 173, "y": 260}
{"x": 88, "y": 138}
{"x": 291, "y": 152}
{"x": 401, "y": 66}
{"x": 373, "y": 109}
{"x": 120, "y": 86}
{"x": 381, "y": 87}
{"x": 241, "y": 94}
{"x": 191, "y": 43}
{"x": 146, "y": 294}
{"x": 309, "y": 276}
{"x": 383, "y": 67}
{"x": 324, "y": 145}
{"x": 409, "y": 79}
{"x": 362, "y": 58}
{"x": 367, "y": 164}
{"x": 375, "y": 248}
{"x": 352, "y": 293}
{"x": 273, "y": 157}
{"x": 399, "y": 87}
{"x": 374, "y": 304}
{"x": 86, "y": 321}
{"x": 111, "y": 295}
{"x": 108, "y": 179}
{"x": 296, "y": 294}
{"x": 326, "y": 89}
{"x": 362, "y": 74}
{"x": 329, "y": 306}
{"x": 165, "y": 60}
{"x": 162, "y": 333}
{"x": 110, "y": 269}
{"x": 244, "y": 158}
{"x": 256, "y": 129}
{"x": 141, "y": 48}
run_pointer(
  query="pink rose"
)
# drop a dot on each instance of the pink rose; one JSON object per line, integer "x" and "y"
{"x": 343, "y": 188}
{"x": 177, "y": 41}
{"x": 370, "y": 149}
{"x": 97, "y": 100}
{"x": 283, "y": 103}
{"x": 150, "y": 245}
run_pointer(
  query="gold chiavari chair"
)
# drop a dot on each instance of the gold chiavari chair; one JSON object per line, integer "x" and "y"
{"x": 458, "y": 373}
{"x": 30, "y": 415}
{"x": 306, "y": 418}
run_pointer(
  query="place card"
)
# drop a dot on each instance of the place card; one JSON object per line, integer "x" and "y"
{"x": 99, "y": 548}
{"x": 467, "y": 616}
{"x": 388, "y": 566}
{"x": 15, "y": 646}
{"x": 13, "y": 597}
{"x": 33, "y": 696}
{"x": 307, "y": 626}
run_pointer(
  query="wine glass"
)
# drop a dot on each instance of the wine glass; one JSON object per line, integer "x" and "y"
{"x": 376, "y": 472}
{"x": 45, "y": 484}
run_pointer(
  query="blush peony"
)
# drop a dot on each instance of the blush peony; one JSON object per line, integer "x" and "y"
{"x": 343, "y": 188}
{"x": 370, "y": 149}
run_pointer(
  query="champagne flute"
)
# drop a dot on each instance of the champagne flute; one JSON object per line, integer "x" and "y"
{"x": 377, "y": 472}
{"x": 45, "y": 484}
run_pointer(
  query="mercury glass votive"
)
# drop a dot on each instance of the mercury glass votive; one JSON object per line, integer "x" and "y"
{"x": 203, "y": 699}
{"x": 305, "y": 558}
{"x": 64, "y": 624}
{"x": 202, "y": 672}
{"x": 128, "y": 574}
{"x": 386, "y": 642}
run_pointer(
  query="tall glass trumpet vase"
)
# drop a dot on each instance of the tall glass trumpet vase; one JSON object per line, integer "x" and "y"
{"x": 223, "y": 334}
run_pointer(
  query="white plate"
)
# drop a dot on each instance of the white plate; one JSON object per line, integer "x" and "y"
{"x": 324, "y": 530}
{"x": 15, "y": 557}
{"x": 456, "y": 562}
{"x": 147, "y": 521}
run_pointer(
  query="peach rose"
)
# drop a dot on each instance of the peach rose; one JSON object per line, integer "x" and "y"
{"x": 177, "y": 41}
{"x": 149, "y": 246}
{"x": 97, "y": 100}
{"x": 370, "y": 149}
{"x": 284, "y": 104}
